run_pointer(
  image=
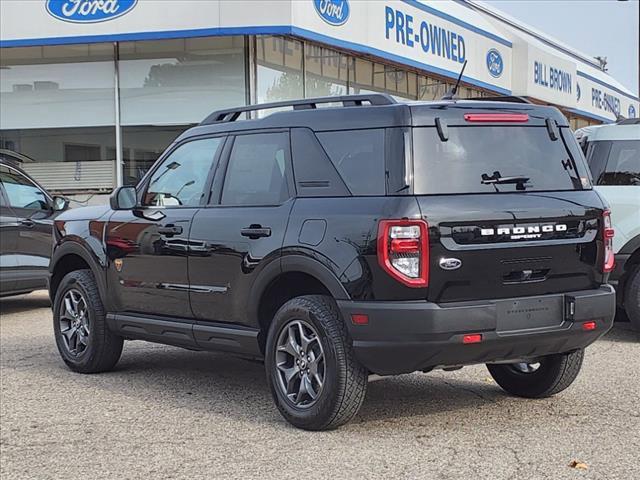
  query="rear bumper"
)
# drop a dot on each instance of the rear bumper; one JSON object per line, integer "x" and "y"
{"x": 403, "y": 337}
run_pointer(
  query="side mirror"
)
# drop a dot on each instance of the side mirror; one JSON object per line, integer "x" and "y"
{"x": 123, "y": 198}
{"x": 59, "y": 204}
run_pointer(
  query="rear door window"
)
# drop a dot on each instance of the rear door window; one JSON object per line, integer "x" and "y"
{"x": 615, "y": 162}
{"x": 257, "y": 171}
{"x": 494, "y": 159}
{"x": 358, "y": 155}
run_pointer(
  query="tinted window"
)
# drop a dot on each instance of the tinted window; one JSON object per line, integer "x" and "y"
{"x": 615, "y": 162}
{"x": 526, "y": 154}
{"x": 358, "y": 155}
{"x": 181, "y": 178}
{"x": 256, "y": 174}
{"x": 21, "y": 192}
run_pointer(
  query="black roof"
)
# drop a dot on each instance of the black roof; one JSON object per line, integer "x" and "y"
{"x": 364, "y": 111}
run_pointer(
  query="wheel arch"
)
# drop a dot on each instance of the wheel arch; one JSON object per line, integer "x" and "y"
{"x": 293, "y": 276}
{"x": 72, "y": 256}
{"x": 632, "y": 249}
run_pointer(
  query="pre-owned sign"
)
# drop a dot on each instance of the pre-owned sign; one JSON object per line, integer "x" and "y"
{"x": 418, "y": 34}
{"x": 596, "y": 97}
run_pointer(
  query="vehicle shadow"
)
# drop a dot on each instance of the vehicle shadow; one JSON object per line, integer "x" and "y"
{"x": 23, "y": 303}
{"x": 622, "y": 331}
{"x": 210, "y": 383}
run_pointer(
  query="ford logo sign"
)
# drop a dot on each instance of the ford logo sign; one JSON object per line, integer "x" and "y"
{"x": 632, "y": 111}
{"x": 334, "y": 12}
{"x": 450, "y": 263}
{"x": 495, "y": 65}
{"x": 89, "y": 11}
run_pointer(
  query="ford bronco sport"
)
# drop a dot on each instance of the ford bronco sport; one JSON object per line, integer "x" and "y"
{"x": 345, "y": 237}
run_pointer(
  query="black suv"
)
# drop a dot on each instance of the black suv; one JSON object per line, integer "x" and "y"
{"x": 350, "y": 236}
{"x": 26, "y": 217}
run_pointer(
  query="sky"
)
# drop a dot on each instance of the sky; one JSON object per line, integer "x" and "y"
{"x": 606, "y": 28}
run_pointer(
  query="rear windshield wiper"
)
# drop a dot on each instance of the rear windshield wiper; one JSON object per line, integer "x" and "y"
{"x": 498, "y": 179}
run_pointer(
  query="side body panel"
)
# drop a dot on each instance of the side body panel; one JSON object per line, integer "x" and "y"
{"x": 625, "y": 212}
{"x": 341, "y": 234}
{"x": 224, "y": 264}
{"x": 8, "y": 240}
{"x": 147, "y": 269}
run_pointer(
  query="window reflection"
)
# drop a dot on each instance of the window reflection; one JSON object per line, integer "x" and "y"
{"x": 180, "y": 179}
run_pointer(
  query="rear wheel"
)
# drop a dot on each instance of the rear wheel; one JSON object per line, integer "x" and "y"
{"x": 85, "y": 343}
{"x": 314, "y": 377}
{"x": 544, "y": 378}
{"x": 632, "y": 297}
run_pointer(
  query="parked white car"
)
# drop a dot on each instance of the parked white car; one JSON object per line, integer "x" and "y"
{"x": 613, "y": 154}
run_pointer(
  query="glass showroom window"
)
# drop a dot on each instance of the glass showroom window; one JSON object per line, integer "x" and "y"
{"x": 430, "y": 88}
{"x": 327, "y": 72}
{"x": 57, "y": 113}
{"x": 376, "y": 77}
{"x": 279, "y": 70}
{"x": 166, "y": 86}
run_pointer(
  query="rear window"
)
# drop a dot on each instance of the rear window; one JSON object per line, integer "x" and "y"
{"x": 615, "y": 162}
{"x": 358, "y": 156}
{"x": 492, "y": 159}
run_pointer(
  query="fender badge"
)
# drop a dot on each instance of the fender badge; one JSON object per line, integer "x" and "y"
{"x": 118, "y": 263}
{"x": 450, "y": 263}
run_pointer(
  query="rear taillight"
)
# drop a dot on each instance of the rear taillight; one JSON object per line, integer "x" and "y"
{"x": 403, "y": 251}
{"x": 609, "y": 261}
{"x": 496, "y": 117}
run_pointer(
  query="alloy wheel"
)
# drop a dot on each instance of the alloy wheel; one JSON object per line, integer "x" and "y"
{"x": 300, "y": 363}
{"x": 523, "y": 367}
{"x": 74, "y": 322}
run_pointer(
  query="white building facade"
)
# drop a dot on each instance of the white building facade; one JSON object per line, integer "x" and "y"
{"x": 92, "y": 91}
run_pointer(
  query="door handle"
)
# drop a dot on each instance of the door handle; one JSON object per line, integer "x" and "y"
{"x": 27, "y": 222}
{"x": 170, "y": 230}
{"x": 255, "y": 231}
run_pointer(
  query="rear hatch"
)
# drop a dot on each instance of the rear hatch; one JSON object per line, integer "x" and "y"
{"x": 509, "y": 204}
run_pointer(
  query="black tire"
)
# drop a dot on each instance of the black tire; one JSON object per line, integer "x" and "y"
{"x": 632, "y": 297}
{"x": 103, "y": 348}
{"x": 553, "y": 375}
{"x": 345, "y": 379}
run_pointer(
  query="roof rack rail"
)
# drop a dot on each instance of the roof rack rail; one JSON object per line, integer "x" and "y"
{"x": 232, "y": 114}
{"x": 506, "y": 98}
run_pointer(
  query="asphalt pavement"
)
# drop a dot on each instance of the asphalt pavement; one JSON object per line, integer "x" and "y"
{"x": 169, "y": 413}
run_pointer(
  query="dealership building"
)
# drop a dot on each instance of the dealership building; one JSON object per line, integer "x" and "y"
{"x": 92, "y": 91}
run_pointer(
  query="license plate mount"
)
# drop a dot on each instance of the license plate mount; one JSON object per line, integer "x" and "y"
{"x": 529, "y": 313}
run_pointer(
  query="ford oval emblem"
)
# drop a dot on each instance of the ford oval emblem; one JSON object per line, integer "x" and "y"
{"x": 495, "y": 65}
{"x": 334, "y": 12}
{"x": 89, "y": 11}
{"x": 450, "y": 263}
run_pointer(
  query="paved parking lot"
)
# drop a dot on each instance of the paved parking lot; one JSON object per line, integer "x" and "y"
{"x": 171, "y": 413}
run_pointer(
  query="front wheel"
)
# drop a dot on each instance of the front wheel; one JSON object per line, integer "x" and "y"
{"x": 314, "y": 377}
{"x": 85, "y": 343}
{"x": 544, "y": 378}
